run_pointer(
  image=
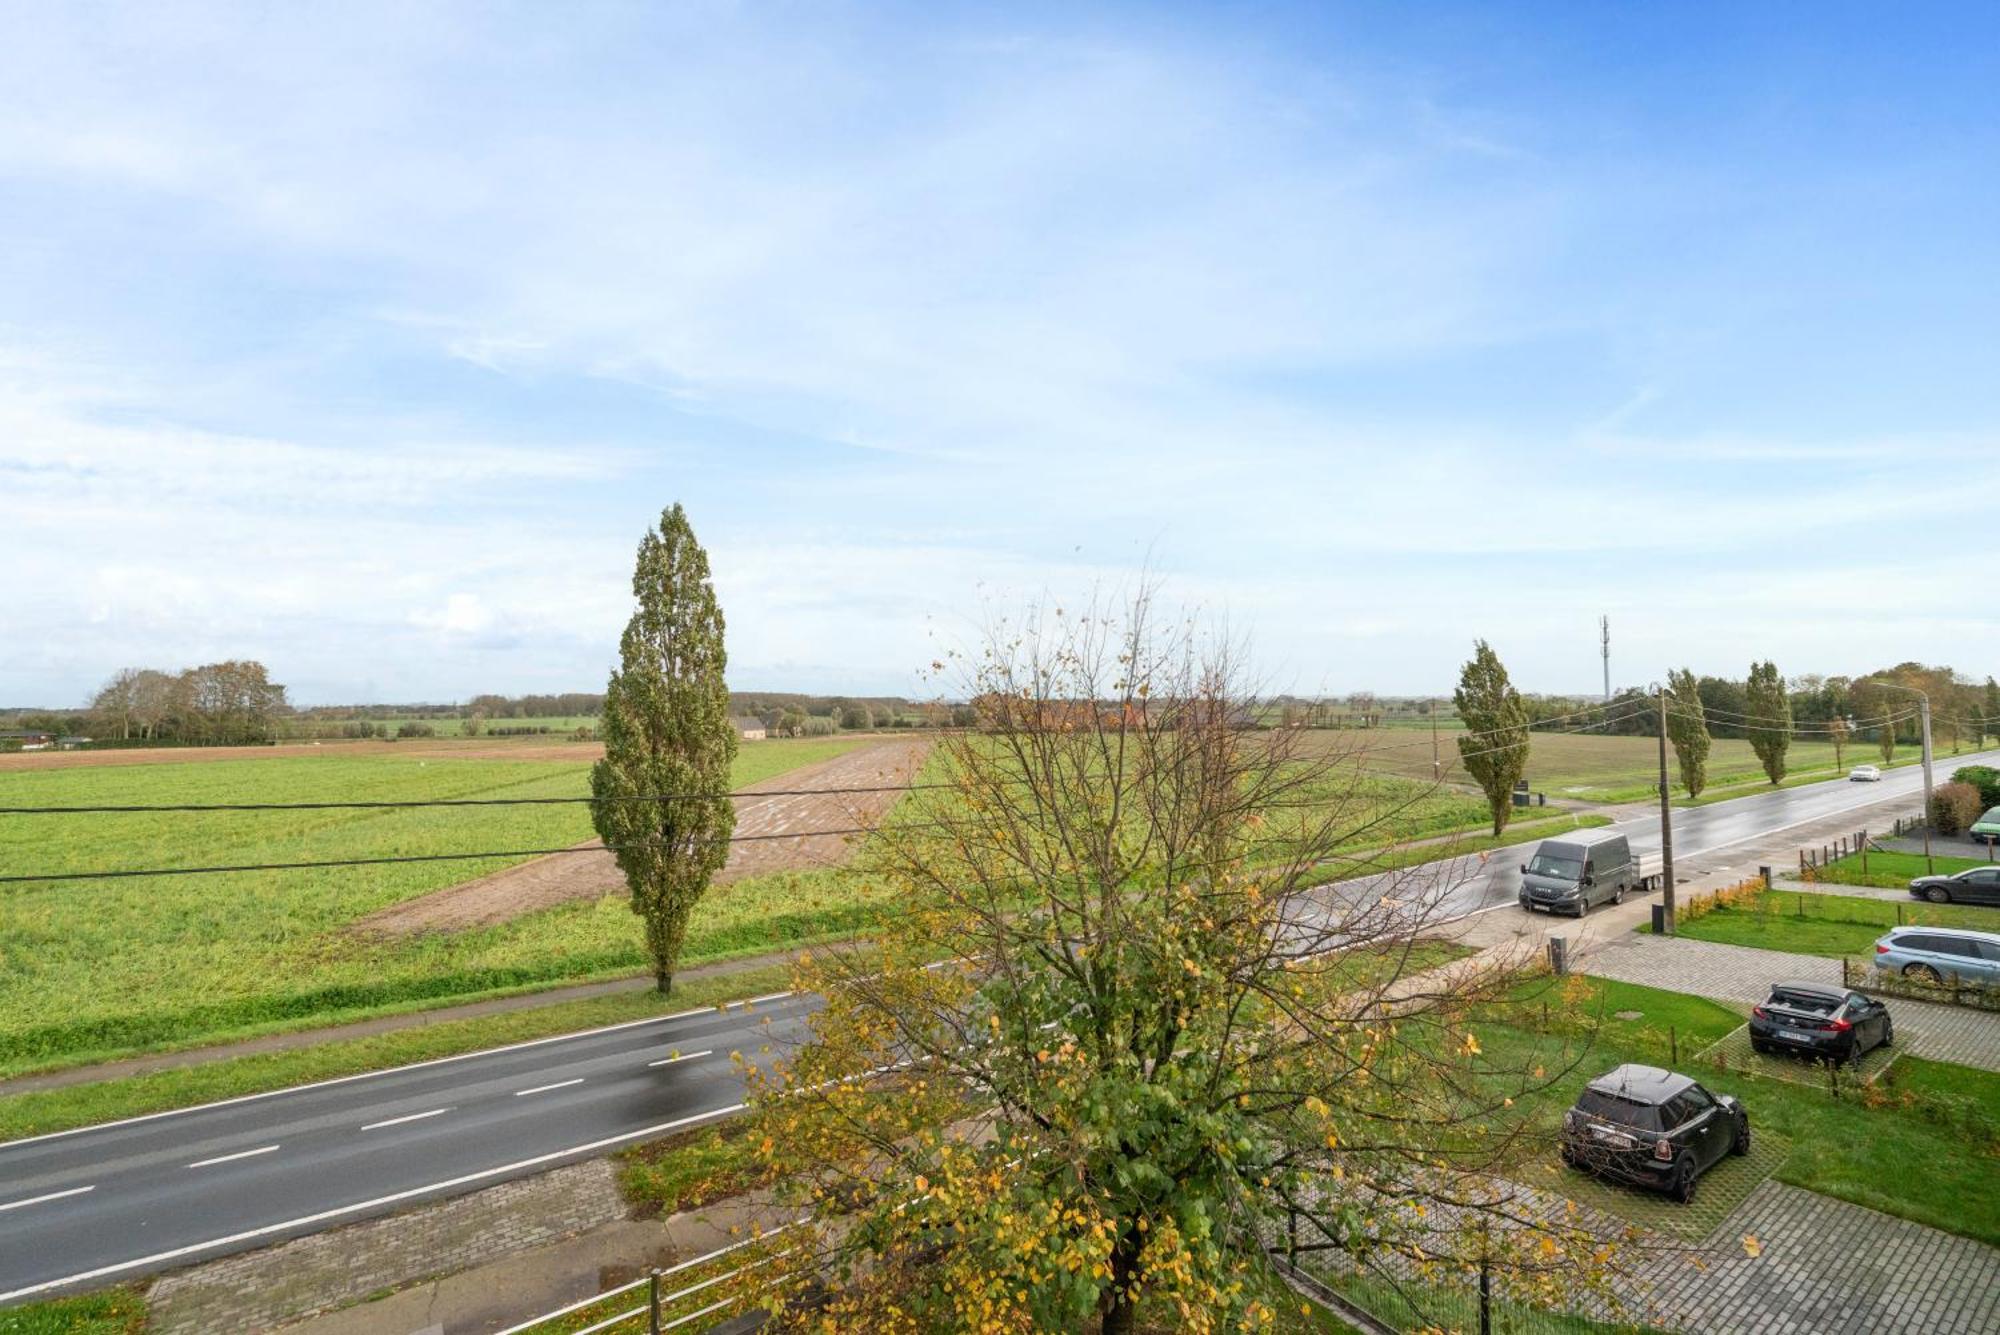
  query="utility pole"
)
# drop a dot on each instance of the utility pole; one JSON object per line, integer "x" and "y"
{"x": 1924, "y": 707}
{"x": 1666, "y": 820}
{"x": 1604, "y": 642}
{"x": 1437, "y": 770}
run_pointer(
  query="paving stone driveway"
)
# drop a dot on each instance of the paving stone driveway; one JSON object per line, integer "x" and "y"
{"x": 1742, "y": 976}
{"x": 1829, "y": 1268}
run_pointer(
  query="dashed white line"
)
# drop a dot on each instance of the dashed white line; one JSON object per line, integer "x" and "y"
{"x": 52, "y": 1196}
{"x": 230, "y": 1158}
{"x": 543, "y": 1089}
{"x": 413, "y": 1117}
{"x": 359, "y": 1207}
{"x": 682, "y": 1057}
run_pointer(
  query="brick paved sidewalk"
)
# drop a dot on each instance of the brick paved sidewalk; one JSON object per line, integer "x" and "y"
{"x": 1829, "y": 1268}
{"x": 1742, "y": 976}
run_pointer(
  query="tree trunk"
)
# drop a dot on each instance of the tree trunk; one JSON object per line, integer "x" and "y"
{"x": 663, "y": 979}
{"x": 1120, "y": 1312}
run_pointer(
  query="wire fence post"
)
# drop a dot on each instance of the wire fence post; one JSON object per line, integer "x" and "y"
{"x": 653, "y": 1301}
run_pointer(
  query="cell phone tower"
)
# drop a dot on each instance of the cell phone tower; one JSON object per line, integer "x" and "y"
{"x": 1604, "y": 643}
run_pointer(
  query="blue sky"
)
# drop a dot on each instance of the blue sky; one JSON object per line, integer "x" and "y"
{"x": 367, "y": 340}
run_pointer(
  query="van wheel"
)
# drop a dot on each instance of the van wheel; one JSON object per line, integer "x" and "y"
{"x": 1618, "y": 895}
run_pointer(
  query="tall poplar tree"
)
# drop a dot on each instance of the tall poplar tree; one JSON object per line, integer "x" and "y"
{"x": 1494, "y": 750}
{"x": 1770, "y": 711}
{"x": 662, "y": 789}
{"x": 1885, "y": 737}
{"x": 1687, "y": 729}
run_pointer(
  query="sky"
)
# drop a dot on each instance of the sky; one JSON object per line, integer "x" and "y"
{"x": 366, "y": 340}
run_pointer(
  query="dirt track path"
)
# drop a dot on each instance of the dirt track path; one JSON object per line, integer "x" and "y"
{"x": 549, "y": 881}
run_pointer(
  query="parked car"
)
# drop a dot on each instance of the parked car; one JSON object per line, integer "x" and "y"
{"x": 1940, "y": 954}
{"x": 1652, "y": 1127}
{"x": 1817, "y": 1020}
{"x": 1987, "y": 828}
{"x": 1570, "y": 873}
{"x": 1865, "y": 774}
{"x": 1975, "y": 885}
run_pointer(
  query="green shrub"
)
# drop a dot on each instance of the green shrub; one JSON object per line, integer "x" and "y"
{"x": 1983, "y": 777}
{"x": 1954, "y": 807}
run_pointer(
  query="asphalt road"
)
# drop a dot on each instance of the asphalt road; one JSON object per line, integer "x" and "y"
{"x": 1462, "y": 886}
{"x": 90, "y": 1207}
{"x": 85, "y": 1208}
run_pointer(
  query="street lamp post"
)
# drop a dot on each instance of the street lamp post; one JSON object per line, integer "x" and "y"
{"x": 1923, "y": 713}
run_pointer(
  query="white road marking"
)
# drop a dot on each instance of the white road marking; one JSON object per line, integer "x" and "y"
{"x": 413, "y": 1117}
{"x": 52, "y": 1196}
{"x": 683, "y": 1057}
{"x": 160, "y": 1258}
{"x": 543, "y": 1089}
{"x": 758, "y": 1001}
{"x": 230, "y": 1158}
{"x": 370, "y": 1075}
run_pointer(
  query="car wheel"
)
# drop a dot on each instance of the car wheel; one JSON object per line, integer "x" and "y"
{"x": 1568, "y": 1156}
{"x": 1742, "y": 1145}
{"x": 1937, "y": 894}
{"x": 1888, "y": 1033}
{"x": 1682, "y": 1187}
{"x": 1922, "y": 972}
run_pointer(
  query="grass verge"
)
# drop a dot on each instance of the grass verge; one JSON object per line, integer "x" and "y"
{"x": 120, "y": 1311}
{"x": 43, "y": 1111}
{"x": 1836, "y": 926}
{"x": 1889, "y": 871}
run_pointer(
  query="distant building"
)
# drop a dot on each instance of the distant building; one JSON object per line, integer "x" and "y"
{"x": 72, "y": 743}
{"x": 18, "y": 740}
{"x": 749, "y": 729}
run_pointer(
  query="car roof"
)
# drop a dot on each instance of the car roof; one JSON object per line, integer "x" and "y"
{"x": 1641, "y": 1084}
{"x": 1811, "y": 989}
{"x": 1966, "y": 932}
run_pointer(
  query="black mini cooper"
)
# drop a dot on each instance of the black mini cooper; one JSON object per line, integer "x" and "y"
{"x": 1652, "y": 1127}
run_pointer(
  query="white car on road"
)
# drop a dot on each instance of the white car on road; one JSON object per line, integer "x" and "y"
{"x": 1865, "y": 774}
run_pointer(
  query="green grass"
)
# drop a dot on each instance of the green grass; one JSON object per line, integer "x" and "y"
{"x": 113, "y": 1312}
{"x": 91, "y": 969}
{"x": 1836, "y": 926}
{"x": 1869, "y": 1145}
{"x": 36, "y": 1113}
{"x": 1889, "y": 871}
{"x": 689, "y": 1170}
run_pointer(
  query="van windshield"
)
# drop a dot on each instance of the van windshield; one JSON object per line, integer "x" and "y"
{"x": 1556, "y": 865}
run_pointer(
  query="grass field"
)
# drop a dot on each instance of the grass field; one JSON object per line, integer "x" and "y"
{"x": 1837, "y": 926}
{"x": 1593, "y": 768}
{"x": 1889, "y": 871}
{"x": 94, "y": 967}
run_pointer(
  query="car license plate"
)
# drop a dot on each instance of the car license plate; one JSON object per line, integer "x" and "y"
{"x": 1795, "y": 1035}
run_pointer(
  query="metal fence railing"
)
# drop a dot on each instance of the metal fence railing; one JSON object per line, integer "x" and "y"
{"x": 675, "y": 1297}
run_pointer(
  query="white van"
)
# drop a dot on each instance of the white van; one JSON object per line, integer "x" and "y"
{"x": 1570, "y": 873}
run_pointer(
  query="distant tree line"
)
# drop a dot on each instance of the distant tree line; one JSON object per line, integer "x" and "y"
{"x": 1963, "y": 711}
{"x": 217, "y": 704}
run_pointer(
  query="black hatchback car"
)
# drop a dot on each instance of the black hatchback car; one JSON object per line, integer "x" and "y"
{"x": 1653, "y": 1127}
{"x": 1816, "y": 1020}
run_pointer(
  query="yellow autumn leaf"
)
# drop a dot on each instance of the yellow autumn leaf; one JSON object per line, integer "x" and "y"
{"x": 1751, "y": 1247}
